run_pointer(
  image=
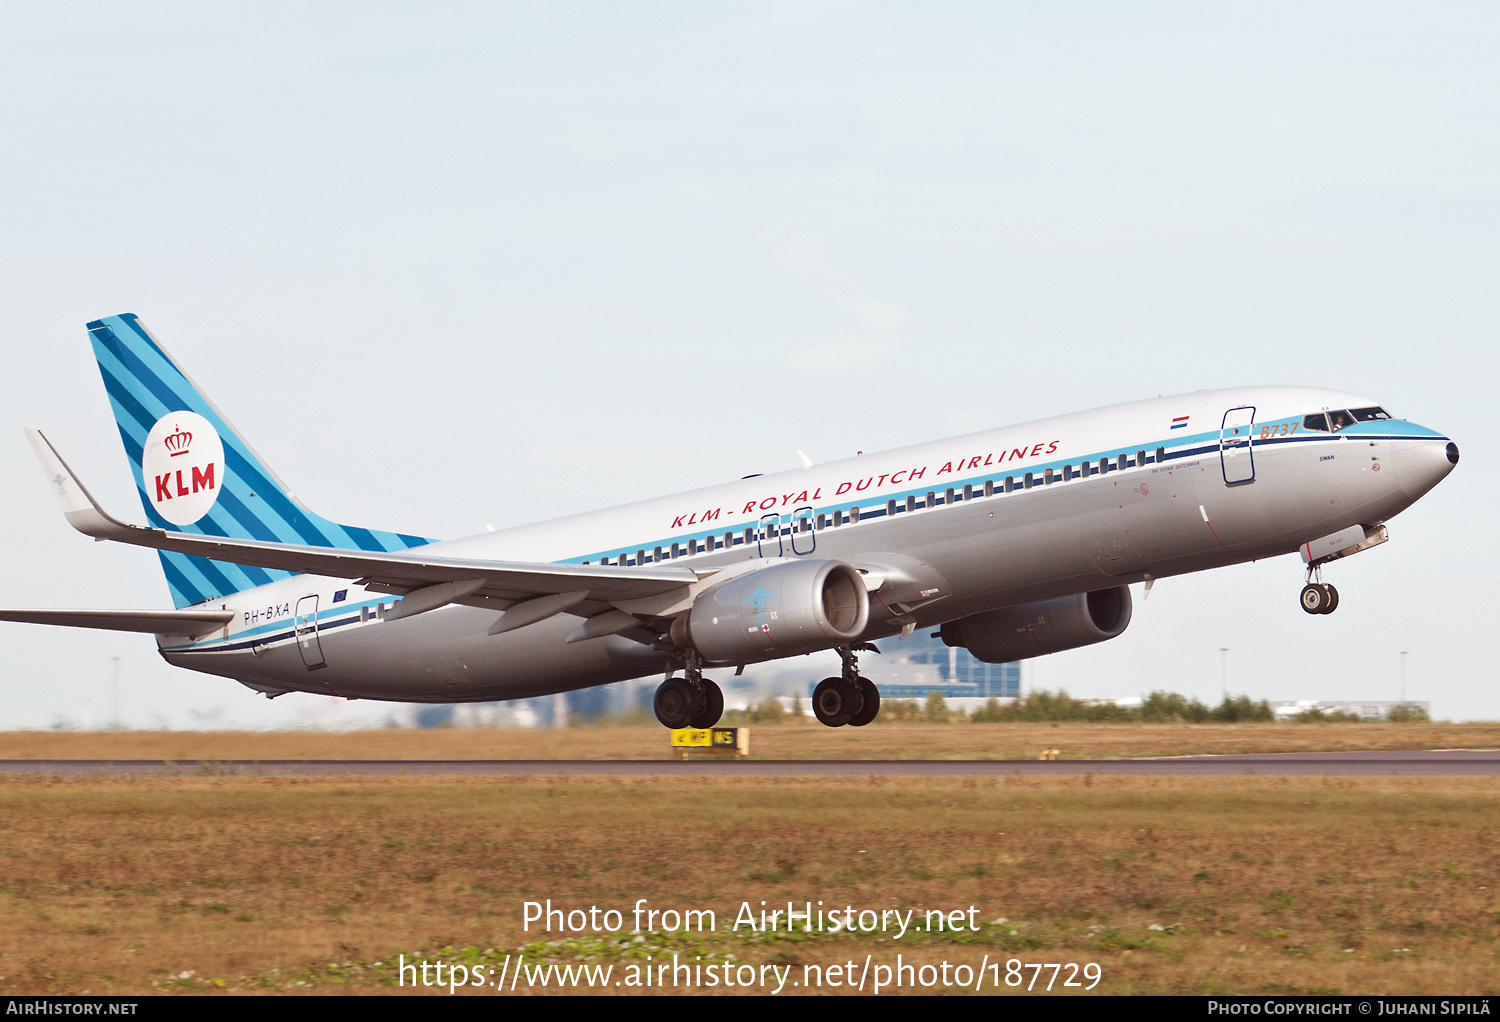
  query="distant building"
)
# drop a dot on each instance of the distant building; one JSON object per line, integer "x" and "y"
{"x": 1366, "y": 709}
{"x": 912, "y": 667}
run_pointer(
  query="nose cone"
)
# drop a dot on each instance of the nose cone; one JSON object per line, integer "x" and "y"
{"x": 1422, "y": 464}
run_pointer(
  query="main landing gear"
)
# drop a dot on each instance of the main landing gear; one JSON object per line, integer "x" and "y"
{"x": 692, "y": 701}
{"x": 1319, "y": 597}
{"x": 849, "y": 698}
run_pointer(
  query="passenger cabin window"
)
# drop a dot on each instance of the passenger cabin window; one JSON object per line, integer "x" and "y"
{"x": 1010, "y": 483}
{"x": 822, "y": 522}
{"x": 1120, "y": 463}
{"x": 948, "y": 497}
{"x": 1067, "y": 473}
{"x": 1140, "y": 458}
{"x": 1047, "y": 477}
{"x": 640, "y": 557}
{"x": 1030, "y": 481}
{"x": 911, "y": 504}
{"x": 1161, "y": 455}
{"x": 853, "y": 515}
{"x": 989, "y": 487}
{"x": 968, "y": 493}
{"x": 1103, "y": 465}
{"x": 729, "y": 541}
{"x": 1369, "y": 414}
{"x": 838, "y": 518}
{"x": 1317, "y": 421}
{"x": 890, "y": 509}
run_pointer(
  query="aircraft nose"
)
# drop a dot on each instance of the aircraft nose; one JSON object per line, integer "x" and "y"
{"x": 1422, "y": 464}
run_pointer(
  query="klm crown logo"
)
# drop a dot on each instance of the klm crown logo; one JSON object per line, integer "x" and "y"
{"x": 178, "y": 442}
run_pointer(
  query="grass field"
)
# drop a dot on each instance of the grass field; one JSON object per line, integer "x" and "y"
{"x": 1169, "y": 884}
{"x": 807, "y": 740}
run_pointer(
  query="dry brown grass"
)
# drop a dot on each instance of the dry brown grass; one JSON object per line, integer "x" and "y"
{"x": 796, "y": 741}
{"x": 114, "y": 885}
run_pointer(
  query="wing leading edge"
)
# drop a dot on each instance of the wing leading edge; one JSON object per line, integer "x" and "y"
{"x": 461, "y": 578}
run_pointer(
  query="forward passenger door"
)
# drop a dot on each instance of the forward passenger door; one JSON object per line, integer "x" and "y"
{"x": 1236, "y": 456}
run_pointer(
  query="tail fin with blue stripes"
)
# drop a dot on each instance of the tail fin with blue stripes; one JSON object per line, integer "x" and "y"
{"x": 198, "y": 475}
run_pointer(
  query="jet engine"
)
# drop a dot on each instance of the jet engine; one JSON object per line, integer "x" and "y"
{"x": 801, "y": 606}
{"x": 1047, "y": 626}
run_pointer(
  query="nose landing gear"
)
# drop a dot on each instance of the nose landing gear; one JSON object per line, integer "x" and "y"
{"x": 848, "y": 699}
{"x": 691, "y": 701}
{"x": 1319, "y": 597}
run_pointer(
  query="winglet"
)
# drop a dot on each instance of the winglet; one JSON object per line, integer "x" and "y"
{"x": 78, "y": 505}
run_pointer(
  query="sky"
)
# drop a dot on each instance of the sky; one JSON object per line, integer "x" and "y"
{"x": 450, "y": 266}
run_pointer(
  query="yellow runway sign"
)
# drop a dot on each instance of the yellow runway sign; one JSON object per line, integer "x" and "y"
{"x": 731, "y": 741}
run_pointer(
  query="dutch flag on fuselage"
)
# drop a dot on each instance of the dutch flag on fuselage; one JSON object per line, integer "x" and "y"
{"x": 1180, "y": 422}
{"x": 196, "y": 474}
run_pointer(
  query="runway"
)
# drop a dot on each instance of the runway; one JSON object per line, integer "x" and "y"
{"x": 1407, "y": 763}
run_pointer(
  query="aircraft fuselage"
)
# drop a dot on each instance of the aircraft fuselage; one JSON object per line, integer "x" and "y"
{"x": 943, "y": 530}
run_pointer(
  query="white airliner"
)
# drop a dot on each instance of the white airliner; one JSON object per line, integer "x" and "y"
{"x": 1014, "y": 542}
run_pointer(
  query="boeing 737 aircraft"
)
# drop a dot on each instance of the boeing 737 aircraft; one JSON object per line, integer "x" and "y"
{"x": 1014, "y": 543}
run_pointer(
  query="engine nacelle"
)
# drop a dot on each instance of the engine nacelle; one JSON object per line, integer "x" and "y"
{"x": 1048, "y": 626}
{"x": 801, "y": 606}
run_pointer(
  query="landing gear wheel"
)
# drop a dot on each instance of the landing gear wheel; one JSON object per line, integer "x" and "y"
{"x": 677, "y": 702}
{"x": 713, "y": 706}
{"x": 1315, "y": 599}
{"x": 1333, "y": 599}
{"x": 871, "y": 707}
{"x": 835, "y": 702}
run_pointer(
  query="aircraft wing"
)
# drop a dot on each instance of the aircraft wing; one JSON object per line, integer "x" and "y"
{"x": 459, "y": 578}
{"x": 160, "y": 622}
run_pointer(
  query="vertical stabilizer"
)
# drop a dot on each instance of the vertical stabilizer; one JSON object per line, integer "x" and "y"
{"x": 197, "y": 474}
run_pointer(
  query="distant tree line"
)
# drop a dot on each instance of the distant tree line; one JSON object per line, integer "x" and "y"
{"x": 1157, "y": 708}
{"x": 1053, "y": 707}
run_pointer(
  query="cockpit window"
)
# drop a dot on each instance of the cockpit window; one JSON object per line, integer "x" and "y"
{"x": 1369, "y": 414}
{"x": 1318, "y": 421}
{"x": 1340, "y": 419}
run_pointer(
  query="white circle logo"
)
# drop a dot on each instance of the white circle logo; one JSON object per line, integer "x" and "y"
{"x": 182, "y": 467}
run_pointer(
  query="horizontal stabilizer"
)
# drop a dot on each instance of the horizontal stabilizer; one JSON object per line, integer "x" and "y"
{"x": 158, "y": 622}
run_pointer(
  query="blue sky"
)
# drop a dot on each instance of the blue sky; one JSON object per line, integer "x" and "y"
{"x": 450, "y": 265}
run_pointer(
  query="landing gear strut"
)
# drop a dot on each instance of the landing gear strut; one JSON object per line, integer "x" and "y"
{"x": 691, "y": 701}
{"x": 849, "y": 698}
{"x": 1318, "y": 597}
